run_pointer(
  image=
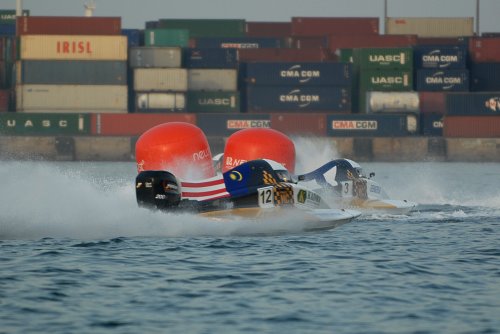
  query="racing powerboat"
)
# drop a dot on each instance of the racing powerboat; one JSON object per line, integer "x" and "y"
{"x": 258, "y": 190}
{"x": 343, "y": 183}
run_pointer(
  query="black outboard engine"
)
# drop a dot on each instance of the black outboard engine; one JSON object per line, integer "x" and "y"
{"x": 157, "y": 190}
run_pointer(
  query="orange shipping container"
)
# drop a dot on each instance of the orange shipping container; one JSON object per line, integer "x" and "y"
{"x": 57, "y": 47}
{"x": 299, "y": 124}
{"x": 69, "y": 25}
{"x": 133, "y": 124}
{"x": 471, "y": 126}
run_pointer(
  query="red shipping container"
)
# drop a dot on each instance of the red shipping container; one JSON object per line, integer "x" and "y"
{"x": 472, "y": 126}
{"x": 269, "y": 29}
{"x": 132, "y": 124}
{"x": 317, "y": 26}
{"x": 432, "y": 102}
{"x": 68, "y": 25}
{"x": 285, "y": 55}
{"x": 343, "y": 41}
{"x": 2, "y": 48}
{"x": 4, "y": 99}
{"x": 299, "y": 124}
{"x": 309, "y": 42}
{"x": 484, "y": 50}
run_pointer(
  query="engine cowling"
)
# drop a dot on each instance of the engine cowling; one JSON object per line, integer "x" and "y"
{"x": 157, "y": 190}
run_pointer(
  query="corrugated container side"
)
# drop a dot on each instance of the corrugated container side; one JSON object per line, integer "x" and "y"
{"x": 440, "y": 57}
{"x": 309, "y": 42}
{"x": 432, "y": 102}
{"x": 450, "y": 41}
{"x": 386, "y": 80}
{"x": 314, "y": 26}
{"x": 430, "y": 26}
{"x": 71, "y": 72}
{"x": 226, "y": 124}
{"x": 289, "y": 98}
{"x": 9, "y": 53}
{"x": 207, "y": 27}
{"x": 351, "y": 41}
{"x": 157, "y": 102}
{"x": 484, "y": 50}
{"x": 68, "y": 25}
{"x": 71, "y": 98}
{"x": 284, "y": 55}
{"x": 471, "y": 126}
{"x": 51, "y": 124}
{"x": 431, "y": 124}
{"x": 78, "y": 47}
{"x": 297, "y": 74}
{"x": 4, "y": 99}
{"x": 393, "y": 102}
{"x": 160, "y": 79}
{"x": 166, "y": 37}
{"x": 134, "y": 37}
{"x": 442, "y": 80}
{"x": 299, "y": 124}
{"x": 372, "y": 125}
{"x": 239, "y": 42}
{"x": 383, "y": 58}
{"x": 484, "y": 77}
{"x": 268, "y": 29}
{"x": 2, "y": 47}
{"x": 166, "y": 57}
{"x": 210, "y": 58}
{"x": 213, "y": 79}
{"x": 473, "y": 103}
{"x": 7, "y": 29}
{"x": 133, "y": 124}
{"x": 213, "y": 102}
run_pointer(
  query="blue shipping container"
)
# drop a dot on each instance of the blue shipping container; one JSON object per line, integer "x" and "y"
{"x": 284, "y": 98}
{"x": 372, "y": 125}
{"x": 135, "y": 37}
{"x": 7, "y": 29}
{"x": 431, "y": 124}
{"x": 210, "y": 58}
{"x": 297, "y": 74}
{"x": 440, "y": 56}
{"x": 239, "y": 42}
{"x": 473, "y": 103}
{"x": 226, "y": 124}
{"x": 442, "y": 80}
{"x": 484, "y": 77}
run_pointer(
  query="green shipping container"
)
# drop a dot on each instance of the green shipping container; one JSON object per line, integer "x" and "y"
{"x": 386, "y": 80}
{"x": 383, "y": 58}
{"x": 207, "y": 27}
{"x": 202, "y": 101}
{"x": 8, "y": 16}
{"x": 345, "y": 55}
{"x": 53, "y": 124}
{"x": 166, "y": 37}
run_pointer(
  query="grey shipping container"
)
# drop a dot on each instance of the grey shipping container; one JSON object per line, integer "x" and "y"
{"x": 210, "y": 58}
{"x": 157, "y": 102}
{"x": 372, "y": 125}
{"x": 297, "y": 74}
{"x": 213, "y": 79}
{"x": 442, "y": 80}
{"x": 160, "y": 79}
{"x": 227, "y": 124}
{"x": 72, "y": 72}
{"x": 284, "y": 98}
{"x": 144, "y": 57}
{"x": 473, "y": 103}
{"x": 393, "y": 102}
{"x": 440, "y": 56}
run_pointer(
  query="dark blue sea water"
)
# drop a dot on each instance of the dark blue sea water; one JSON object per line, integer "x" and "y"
{"x": 78, "y": 256}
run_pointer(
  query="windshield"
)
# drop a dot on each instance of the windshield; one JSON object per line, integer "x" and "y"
{"x": 285, "y": 176}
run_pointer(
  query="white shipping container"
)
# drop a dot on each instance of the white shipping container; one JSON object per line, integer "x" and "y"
{"x": 169, "y": 101}
{"x": 150, "y": 57}
{"x": 393, "y": 102}
{"x": 72, "y": 98}
{"x": 213, "y": 79}
{"x": 73, "y": 47}
{"x": 160, "y": 79}
{"x": 430, "y": 26}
